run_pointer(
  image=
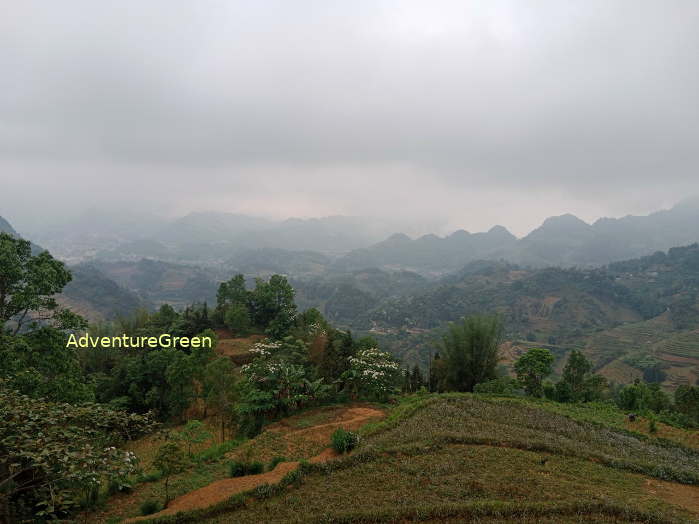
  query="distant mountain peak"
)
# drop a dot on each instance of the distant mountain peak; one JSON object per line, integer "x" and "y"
{"x": 500, "y": 230}
{"x": 566, "y": 221}
{"x": 6, "y": 227}
{"x": 460, "y": 233}
{"x": 398, "y": 237}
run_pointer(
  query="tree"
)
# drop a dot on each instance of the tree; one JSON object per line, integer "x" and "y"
{"x": 237, "y": 319}
{"x": 219, "y": 389}
{"x": 642, "y": 397}
{"x": 687, "y": 401}
{"x": 532, "y": 368}
{"x": 575, "y": 374}
{"x": 373, "y": 374}
{"x": 416, "y": 380}
{"x": 194, "y": 432}
{"x": 51, "y": 453}
{"x": 170, "y": 460}
{"x": 578, "y": 383}
{"x": 273, "y": 307}
{"x": 179, "y": 375}
{"x": 470, "y": 352}
{"x": 232, "y": 292}
{"x": 27, "y": 285}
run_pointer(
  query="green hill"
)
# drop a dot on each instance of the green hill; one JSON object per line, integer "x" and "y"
{"x": 460, "y": 457}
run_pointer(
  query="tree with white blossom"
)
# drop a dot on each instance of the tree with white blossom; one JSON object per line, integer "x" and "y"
{"x": 373, "y": 374}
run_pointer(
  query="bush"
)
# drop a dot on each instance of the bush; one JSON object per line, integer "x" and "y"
{"x": 153, "y": 476}
{"x": 652, "y": 427}
{"x": 115, "y": 487}
{"x": 240, "y": 469}
{"x": 150, "y": 506}
{"x": 216, "y": 451}
{"x": 344, "y": 441}
{"x": 236, "y": 469}
{"x": 273, "y": 463}
{"x": 253, "y": 468}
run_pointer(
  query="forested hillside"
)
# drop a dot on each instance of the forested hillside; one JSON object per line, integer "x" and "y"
{"x": 635, "y": 319}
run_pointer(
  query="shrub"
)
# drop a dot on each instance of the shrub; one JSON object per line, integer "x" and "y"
{"x": 240, "y": 469}
{"x": 216, "y": 451}
{"x": 344, "y": 441}
{"x": 273, "y": 463}
{"x": 652, "y": 427}
{"x": 151, "y": 477}
{"x": 236, "y": 469}
{"x": 118, "y": 486}
{"x": 150, "y": 506}
{"x": 253, "y": 468}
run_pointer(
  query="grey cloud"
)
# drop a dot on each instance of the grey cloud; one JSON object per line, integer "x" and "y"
{"x": 591, "y": 104}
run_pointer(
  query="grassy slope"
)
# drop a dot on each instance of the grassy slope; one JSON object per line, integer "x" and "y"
{"x": 457, "y": 456}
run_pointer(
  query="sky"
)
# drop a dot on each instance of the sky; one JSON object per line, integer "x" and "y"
{"x": 456, "y": 114}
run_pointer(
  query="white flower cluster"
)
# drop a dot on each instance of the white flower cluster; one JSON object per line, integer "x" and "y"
{"x": 264, "y": 349}
{"x": 374, "y": 368}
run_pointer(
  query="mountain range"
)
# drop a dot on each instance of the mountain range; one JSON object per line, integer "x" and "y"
{"x": 564, "y": 241}
{"x": 339, "y": 243}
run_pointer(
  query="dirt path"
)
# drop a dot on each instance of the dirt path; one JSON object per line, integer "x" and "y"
{"x": 222, "y": 490}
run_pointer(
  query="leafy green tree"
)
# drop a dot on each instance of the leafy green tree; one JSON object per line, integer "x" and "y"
{"x": 687, "y": 401}
{"x": 273, "y": 306}
{"x": 532, "y": 368}
{"x": 416, "y": 379}
{"x": 52, "y": 453}
{"x": 39, "y": 364}
{"x": 194, "y": 432}
{"x": 642, "y": 397}
{"x": 170, "y": 460}
{"x": 179, "y": 374}
{"x": 237, "y": 319}
{"x": 578, "y": 383}
{"x": 220, "y": 389}
{"x": 470, "y": 352}
{"x": 233, "y": 292}
{"x": 334, "y": 361}
{"x": 373, "y": 374}
{"x": 575, "y": 375}
{"x": 28, "y": 284}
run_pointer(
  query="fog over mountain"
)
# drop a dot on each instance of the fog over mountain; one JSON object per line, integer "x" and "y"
{"x": 454, "y": 115}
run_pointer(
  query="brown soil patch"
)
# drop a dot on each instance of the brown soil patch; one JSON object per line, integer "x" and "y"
{"x": 681, "y": 495}
{"x": 303, "y": 435}
{"x": 220, "y": 491}
{"x": 351, "y": 418}
{"x": 324, "y": 456}
{"x": 237, "y": 348}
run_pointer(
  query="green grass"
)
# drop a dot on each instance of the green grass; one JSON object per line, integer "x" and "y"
{"x": 515, "y": 424}
{"x": 457, "y": 481}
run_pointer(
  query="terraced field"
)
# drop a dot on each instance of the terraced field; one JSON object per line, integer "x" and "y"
{"x": 620, "y": 354}
{"x": 457, "y": 457}
{"x": 681, "y": 345}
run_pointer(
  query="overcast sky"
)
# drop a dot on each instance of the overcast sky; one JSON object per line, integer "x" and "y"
{"x": 466, "y": 114}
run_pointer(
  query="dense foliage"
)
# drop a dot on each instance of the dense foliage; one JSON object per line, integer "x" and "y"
{"x": 53, "y": 455}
